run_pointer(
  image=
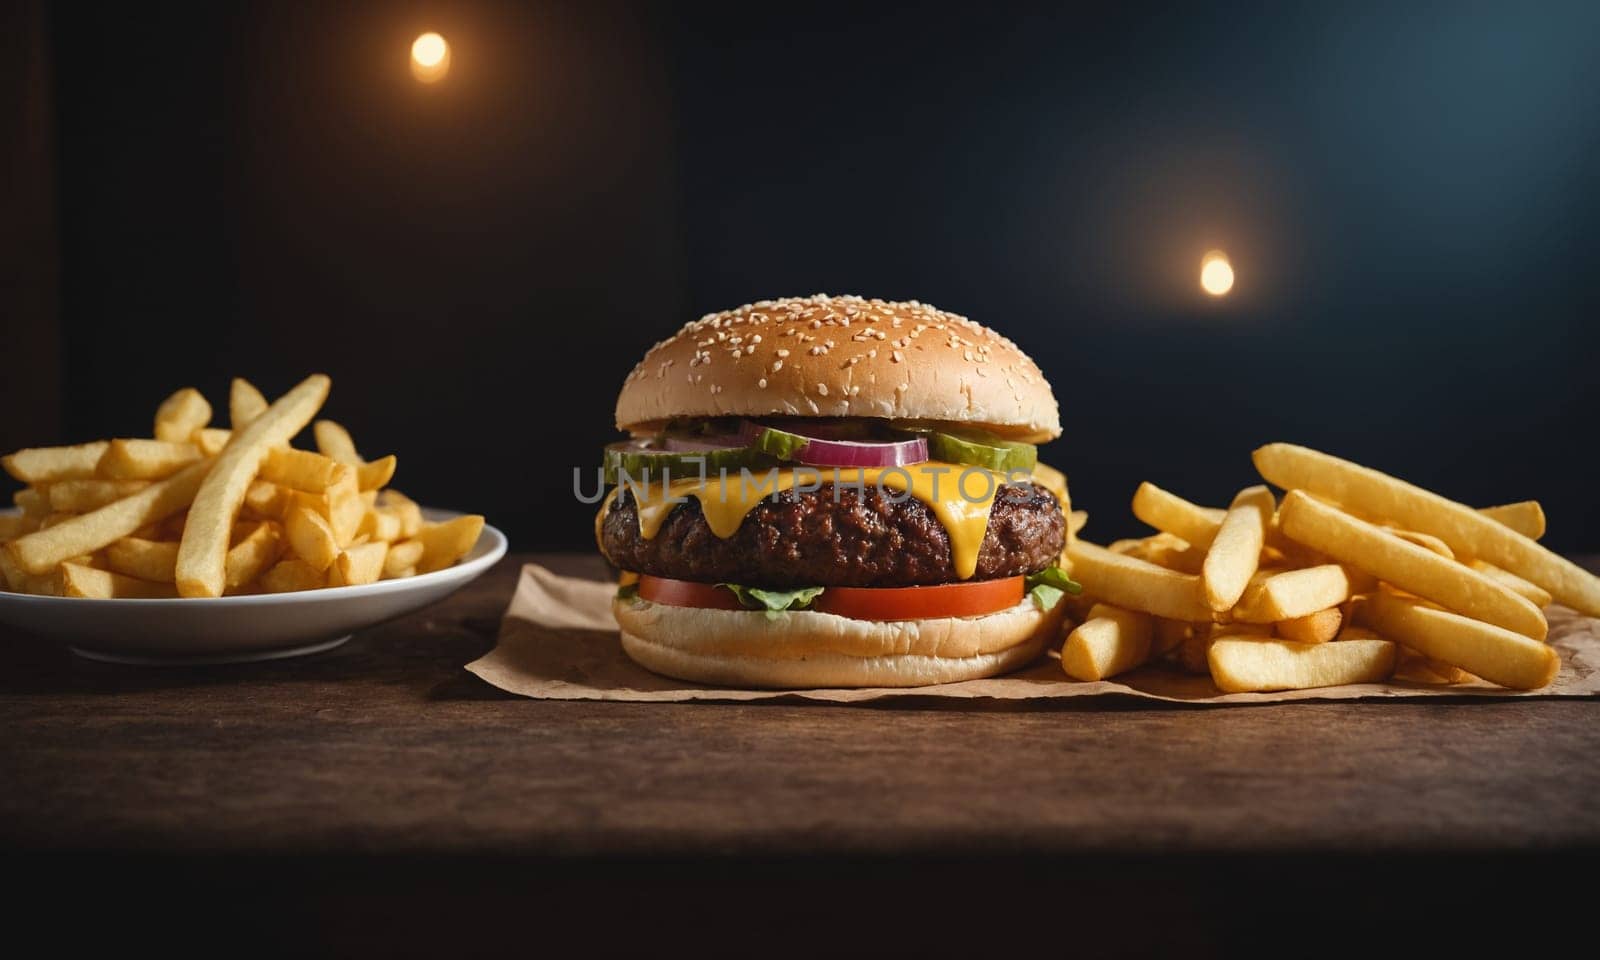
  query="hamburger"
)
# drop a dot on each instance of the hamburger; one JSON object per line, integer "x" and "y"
{"x": 835, "y": 491}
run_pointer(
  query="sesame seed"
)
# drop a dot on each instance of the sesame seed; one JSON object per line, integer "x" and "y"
{"x": 762, "y": 383}
{"x": 782, "y": 352}
{"x": 777, "y": 365}
{"x": 896, "y": 356}
{"x": 822, "y": 388}
{"x": 757, "y": 337}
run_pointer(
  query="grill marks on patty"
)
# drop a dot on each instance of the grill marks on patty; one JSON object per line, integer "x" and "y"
{"x": 863, "y": 540}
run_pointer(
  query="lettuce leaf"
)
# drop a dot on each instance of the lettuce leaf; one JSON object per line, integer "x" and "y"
{"x": 1048, "y": 586}
{"x": 773, "y": 602}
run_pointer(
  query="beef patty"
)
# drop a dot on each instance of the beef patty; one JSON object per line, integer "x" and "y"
{"x": 866, "y": 539}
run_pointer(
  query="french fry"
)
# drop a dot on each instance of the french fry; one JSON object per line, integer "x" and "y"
{"x": 18, "y": 581}
{"x": 402, "y": 556}
{"x": 1134, "y": 584}
{"x": 405, "y": 508}
{"x": 34, "y": 502}
{"x": 1235, "y": 552}
{"x": 181, "y": 414}
{"x": 267, "y": 500}
{"x": 13, "y": 526}
{"x": 250, "y": 556}
{"x": 445, "y": 543}
{"x": 358, "y": 565}
{"x": 245, "y": 403}
{"x": 50, "y": 464}
{"x": 38, "y": 552}
{"x": 399, "y": 574}
{"x": 1170, "y": 634}
{"x": 311, "y": 537}
{"x": 1408, "y": 566}
{"x": 302, "y": 470}
{"x": 290, "y": 575}
{"x": 82, "y": 496}
{"x": 376, "y": 474}
{"x": 344, "y": 508}
{"x": 78, "y": 580}
{"x": 1536, "y": 594}
{"x": 1413, "y": 667}
{"x": 1319, "y": 627}
{"x": 203, "y": 553}
{"x": 1163, "y": 549}
{"x": 1468, "y": 532}
{"x": 1191, "y": 653}
{"x": 210, "y": 440}
{"x": 1244, "y": 665}
{"x": 1286, "y": 595}
{"x": 1497, "y": 655}
{"x": 1425, "y": 541}
{"x": 11, "y": 575}
{"x": 1168, "y": 512}
{"x": 145, "y": 559}
{"x": 146, "y": 459}
{"x": 333, "y": 440}
{"x": 377, "y": 525}
{"x": 1525, "y": 516}
{"x": 1110, "y": 642}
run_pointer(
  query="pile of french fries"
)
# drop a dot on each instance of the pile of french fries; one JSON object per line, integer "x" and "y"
{"x": 200, "y": 511}
{"x": 1353, "y": 577}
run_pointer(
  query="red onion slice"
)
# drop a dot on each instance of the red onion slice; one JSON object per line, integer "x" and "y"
{"x": 819, "y": 452}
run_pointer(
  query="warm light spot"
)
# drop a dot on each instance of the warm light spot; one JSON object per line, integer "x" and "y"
{"x": 1216, "y": 273}
{"x": 430, "y": 58}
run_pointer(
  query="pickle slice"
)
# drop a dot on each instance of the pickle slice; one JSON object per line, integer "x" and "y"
{"x": 645, "y": 462}
{"x": 781, "y": 443}
{"x": 982, "y": 451}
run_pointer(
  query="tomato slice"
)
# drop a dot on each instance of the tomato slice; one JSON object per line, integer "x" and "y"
{"x": 687, "y": 593}
{"x": 971, "y": 598}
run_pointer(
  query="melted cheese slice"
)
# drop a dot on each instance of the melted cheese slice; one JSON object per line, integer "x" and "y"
{"x": 959, "y": 495}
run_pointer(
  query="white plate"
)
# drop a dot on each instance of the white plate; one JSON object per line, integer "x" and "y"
{"x": 243, "y": 628}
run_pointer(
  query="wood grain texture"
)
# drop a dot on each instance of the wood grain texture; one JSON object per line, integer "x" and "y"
{"x": 387, "y": 745}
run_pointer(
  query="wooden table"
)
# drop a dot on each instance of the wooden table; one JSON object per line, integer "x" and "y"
{"x": 379, "y": 794}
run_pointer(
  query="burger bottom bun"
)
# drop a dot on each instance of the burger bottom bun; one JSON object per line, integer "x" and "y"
{"x": 802, "y": 648}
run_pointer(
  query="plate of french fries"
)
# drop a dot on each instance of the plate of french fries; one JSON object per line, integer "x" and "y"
{"x": 211, "y": 544}
{"x": 1351, "y": 577}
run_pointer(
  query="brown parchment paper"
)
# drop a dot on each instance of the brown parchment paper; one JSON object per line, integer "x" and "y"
{"x": 558, "y": 641}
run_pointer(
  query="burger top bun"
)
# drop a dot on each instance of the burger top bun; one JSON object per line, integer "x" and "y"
{"x": 827, "y": 356}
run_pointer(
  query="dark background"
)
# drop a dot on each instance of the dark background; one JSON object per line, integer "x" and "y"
{"x": 1409, "y": 194}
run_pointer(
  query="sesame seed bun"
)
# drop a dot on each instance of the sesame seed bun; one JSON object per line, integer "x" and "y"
{"x": 827, "y": 356}
{"x": 802, "y": 648}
